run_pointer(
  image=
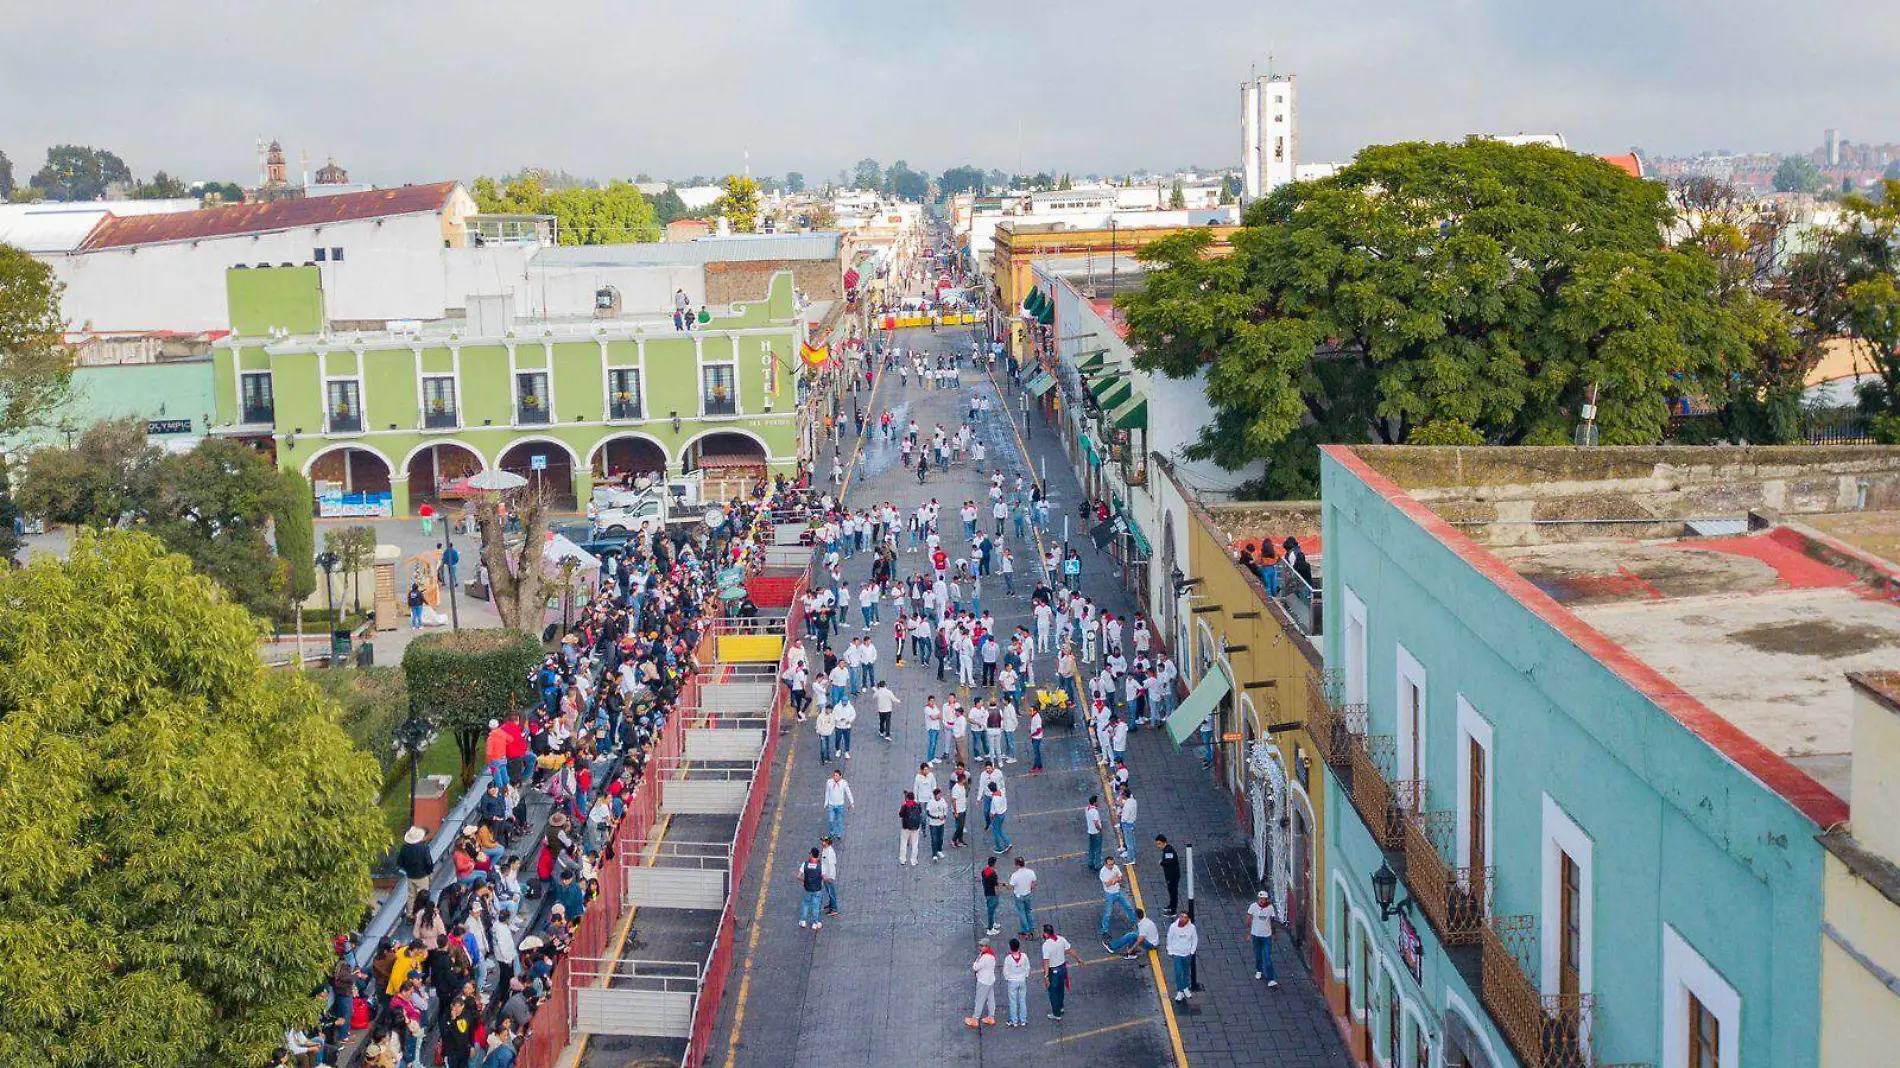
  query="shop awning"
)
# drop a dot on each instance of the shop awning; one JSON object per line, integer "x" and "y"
{"x": 1095, "y": 458}
{"x": 1047, "y": 316}
{"x": 1199, "y": 704}
{"x": 1042, "y": 382}
{"x": 1140, "y": 542}
{"x": 1101, "y": 386}
{"x": 1132, "y": 415}
{"x": 1033, "y": 302}
{"x": 1092, "y": 363}
{"x": 1117, "y": 393}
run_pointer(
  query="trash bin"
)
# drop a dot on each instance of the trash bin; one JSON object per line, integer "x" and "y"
{"x": 340, "y": 644}
{"x": 366, "y": 655}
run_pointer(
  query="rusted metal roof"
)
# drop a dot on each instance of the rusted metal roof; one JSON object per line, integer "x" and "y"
{"x": 231, "y": 220}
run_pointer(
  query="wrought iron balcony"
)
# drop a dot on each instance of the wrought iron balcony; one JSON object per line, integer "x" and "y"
{"x": 1543, "y": 1030}
{"x": 1453, "y": 900}
{"x": 346, "y": 422}
{"x": 623, "y": 409}
{"x": 439, "y": 418}
{"x": 526, "y": 413}
{"x": 1331, "y": 723}
{"x": 258, "y": 415}
{"x": 1376, "y": 797}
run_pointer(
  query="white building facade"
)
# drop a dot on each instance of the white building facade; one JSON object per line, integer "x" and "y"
{"x": 1270, "y": 142}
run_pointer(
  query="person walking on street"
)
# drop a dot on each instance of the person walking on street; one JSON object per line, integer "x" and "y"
{"x": 1016, "y": 967}
{"x": 984, "y": 1011}
{"x": 999, "y": 811}
{"x": 1022, "y": 889}
{"x": 1056, "y": 954}
{"x": 886, "y": 703}
{"x": 936, "y": 813}
{"x": 959, "y": 807}
{"x": 1035, "y": 738}
{"x": 991, "y": 882}
{"x": 843, "y": 715}
{"x": 811, "y": 878}
{"x": 1170, "y": 872}
{"x": 1092, "y": 826}
{"x": 1183, "y": 940}
{"x": 1125, "y": 814}
{"x": 910, "y": 827}
{"x": 1114, "y": 892}
{"x": 837, "y": 799}
{"x": 828, "y": 866}
{"x": 1144, "y": 937}
{"x": 1260, "y": 917}
{"x": 826, "y": 724}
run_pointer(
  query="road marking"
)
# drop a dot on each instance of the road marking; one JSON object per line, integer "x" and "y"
{"x": 758, "y": 910}
{"x": 1058, "y": 856}
{"x": 1154, "y": 962}
{"x": 1123, "y": 1026}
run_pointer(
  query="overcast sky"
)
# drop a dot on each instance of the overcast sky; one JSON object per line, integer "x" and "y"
{"x": 406, "y": 90}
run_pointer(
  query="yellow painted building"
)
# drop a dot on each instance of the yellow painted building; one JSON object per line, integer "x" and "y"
{"x": 1860, "y": 929}
{"x": 1228, "y": 618}
{"x": 1018, "y": 245}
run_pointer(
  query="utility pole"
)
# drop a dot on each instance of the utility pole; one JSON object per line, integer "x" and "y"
{"x": 1194, "y": 961}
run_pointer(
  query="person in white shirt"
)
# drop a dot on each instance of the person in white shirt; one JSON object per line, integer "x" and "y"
{"x": 1125, "y": 814}
{"x": 1009, "y": 724}
{"x": 887, "y": 703}
{"x": 1016, "y": 966}
{"x": 1118, "y": 738}
{"x": 1141, "y": 636}
{"x": 1143, "y": 938}
{"x": 933, "y": 729}
{"x": 959, "y": 807}
{"x": 959, "y": 725}
{"x": 993, "y": 732}
{"x": 1114, "y": 892}
{"x": 844, "y": 715}
{"x": 837, "y": 799}
{"x": 1056, "y": 954}
{"x": 828, "y": 867}
{"x": 936, "y": 814}
{"x": 1183, "y": 941}
{"x": 1022, "y": 889}
{"x": 984, "y": 1012}
{"x": 826, "y": 726}
{"x": 1260, "y": 919}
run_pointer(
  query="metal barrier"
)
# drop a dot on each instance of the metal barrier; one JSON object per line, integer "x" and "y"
{"x": 635, "y": 997}
{"x": 724, "y": 742}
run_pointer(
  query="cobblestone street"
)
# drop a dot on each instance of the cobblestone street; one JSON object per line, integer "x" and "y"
{"x": 888, "y": 982}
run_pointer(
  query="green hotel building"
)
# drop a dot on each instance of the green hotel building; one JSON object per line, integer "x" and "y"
{"x": 383, "y": 421}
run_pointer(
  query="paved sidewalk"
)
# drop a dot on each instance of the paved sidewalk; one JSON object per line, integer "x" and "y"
{"x": 888, "y": 982}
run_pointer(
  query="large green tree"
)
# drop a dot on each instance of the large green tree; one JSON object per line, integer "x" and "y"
{"x": 964, "y": 179}
{"x": 186, "y": 830}
{"x": 212, "y": 504}
{"x": 1486, "y": 284}
{"x": 6, "y": 177}
{"x": 162, "y": 187}
{"x": 1797, "y": 174}
{"x": 10, "y": 543}
{"x": 296, "y": 539}
{"x": 906, "y": 184}
{"x": 78, "y": 172}
{"x": 35, "y": 367}
{"x": 616, "y": 214}
{"x": 740, "y": 203}
{"x": 1867, "y": 251}
{"x": 462, "y": 680}
{"x": 794, "y": 182}
{"x": 868, "y": 174}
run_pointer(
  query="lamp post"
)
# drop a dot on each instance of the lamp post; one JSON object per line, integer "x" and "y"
{"x": 327, "y": 563}
{"x": 1385, "y": 886}
{"x": 451, "y": 557}
{"x": 1194, "y": 960}
{"x": 414, "y": 736}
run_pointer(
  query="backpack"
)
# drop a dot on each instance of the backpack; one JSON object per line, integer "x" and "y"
{"x": 911, "y": 815}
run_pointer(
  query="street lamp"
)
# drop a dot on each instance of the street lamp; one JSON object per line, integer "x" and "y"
{"x": 450, "y": 557}
{"x": 1385, "y": 886}
{"x": 327, "y": 561}
{"x": 414, "y": 736}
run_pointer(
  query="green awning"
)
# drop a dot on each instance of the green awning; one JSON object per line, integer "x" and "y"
{"x": 1041, "y": 383}
{"x": 1033, "y": 302}
{"x": 1200, "y": 703}
{"x": 1095, "y": 458}
{"x": 1140, "y": 542}
{"x": 1101, "y": 386}
{"x": 1092, "y": 363}
{"x": 1047, "y": 316}
{"x": 1113, "y": 397}
{"x": 1133, "y": 415}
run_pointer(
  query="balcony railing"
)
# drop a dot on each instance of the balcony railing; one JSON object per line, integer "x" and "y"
{"x": 1331, "y": 724}
{"x": 1545, "y": 1031}
{"x": 530, "y": 414}
{"x": 439, "y": 418}
{"x": 623, "y": 409}
{"x": 1374, "y": 793}
{"x": 258, "y": 415}
{"x": 346, "y": 423}
{"x": 1452, "y": 899}
{"x": 721, "y": 405}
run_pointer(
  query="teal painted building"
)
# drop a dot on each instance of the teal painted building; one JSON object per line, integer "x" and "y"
{"x": 567, "y": 402}
{"x": 174, "y": 398}
{"x": 1593, "y": 868}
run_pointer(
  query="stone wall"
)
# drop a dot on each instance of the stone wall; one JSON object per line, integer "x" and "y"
{"x": 1532, "y": 496}
{"x": 730, "y": 282}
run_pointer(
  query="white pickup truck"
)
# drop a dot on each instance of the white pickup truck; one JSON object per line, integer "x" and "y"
{"x": 617, "y": 512}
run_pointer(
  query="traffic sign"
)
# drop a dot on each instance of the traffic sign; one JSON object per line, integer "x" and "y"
{"x": 538, "y": 462}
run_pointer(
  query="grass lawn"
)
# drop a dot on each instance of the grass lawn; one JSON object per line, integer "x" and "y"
{"x": 442, "y": 758}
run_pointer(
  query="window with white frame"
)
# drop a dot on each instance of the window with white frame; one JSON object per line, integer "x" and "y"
{"x": 1702, "y": 1013}
{"x": 1411, "y": 732}
{"x": 1475, "y": 789}
{"x": 343, "y": 399}
{"x": 1353, "y": 647}
{"x": 438, "y": 402}
{"x": 719, "y": 389}
{"x": 1567, "y": 917}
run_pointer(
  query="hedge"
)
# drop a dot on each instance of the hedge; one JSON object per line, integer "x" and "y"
{"x": 373, "y": 701}
{"x": 459, "y": 680}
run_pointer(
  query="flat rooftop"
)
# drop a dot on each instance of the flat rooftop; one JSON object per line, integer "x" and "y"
{"x": 1753, "y": 626}
{"x": 1743, "y": 582}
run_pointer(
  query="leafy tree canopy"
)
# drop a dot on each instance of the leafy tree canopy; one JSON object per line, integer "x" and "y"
{"x": 186, "y": 830}
{"x": 617, "y": 214}
{"x": 906, "y": 184}
{"x": 35, "y": 368}
{"x": 461, "y": 680}
{"x": 964, "y": 179}
{"x": 1797, "y": 174}
{"x": 162, "y": 187}
{"x": 6, "y": 176}
{"x": 868, "y": 175}
{"x": 1482, "y": 283}
{"x": 77, "y": 172}
{"x": 740, "y": 203}
{"x": 794, "y": 182}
